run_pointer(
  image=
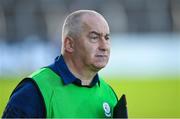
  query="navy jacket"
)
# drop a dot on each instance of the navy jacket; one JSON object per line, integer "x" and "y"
{"x": 27, "y": 101}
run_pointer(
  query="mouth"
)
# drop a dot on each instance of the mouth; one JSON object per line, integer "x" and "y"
{"x": 102, "y": 56}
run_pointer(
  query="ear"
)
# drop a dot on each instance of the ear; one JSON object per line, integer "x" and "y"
{"x": 69, "y": 44}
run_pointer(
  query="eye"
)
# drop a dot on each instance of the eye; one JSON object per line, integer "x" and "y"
{"x": 107, "y": 37}
{"x": 94, "y": 38}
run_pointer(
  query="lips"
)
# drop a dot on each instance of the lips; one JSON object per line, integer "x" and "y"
{"x": 101, "y": 55}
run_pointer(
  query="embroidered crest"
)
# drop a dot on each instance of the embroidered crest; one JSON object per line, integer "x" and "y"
{"x": 107, "y": 109}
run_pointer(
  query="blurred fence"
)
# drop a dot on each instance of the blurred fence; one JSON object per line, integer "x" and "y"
{"x": 20, "y": 19}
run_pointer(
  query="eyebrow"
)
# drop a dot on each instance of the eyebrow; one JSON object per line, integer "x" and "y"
{"x": 107, "y": 35}
{"x": 94, "y": 32}
{"x": 99, "y": 34}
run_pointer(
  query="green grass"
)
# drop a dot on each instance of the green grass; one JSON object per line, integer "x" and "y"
{"x": 156, "y": 97}
{"x": 6, "y": 87}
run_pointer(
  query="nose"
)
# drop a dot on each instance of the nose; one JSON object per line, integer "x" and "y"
{"x": 104, "y": 44}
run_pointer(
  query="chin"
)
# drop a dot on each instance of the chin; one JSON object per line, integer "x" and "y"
{"x": 99, "y": 63}
{"x": 100, "y": 66}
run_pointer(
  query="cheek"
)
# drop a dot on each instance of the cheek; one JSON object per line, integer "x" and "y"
{"x": 86, "y": 52}
{"x": 91, "y": 53}
{"x": 90, "y": 49}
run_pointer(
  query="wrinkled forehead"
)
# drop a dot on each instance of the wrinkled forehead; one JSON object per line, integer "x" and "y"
{"x": 95, "y": 22}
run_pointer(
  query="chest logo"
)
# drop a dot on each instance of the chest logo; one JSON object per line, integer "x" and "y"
{"x": 107, "y": 109}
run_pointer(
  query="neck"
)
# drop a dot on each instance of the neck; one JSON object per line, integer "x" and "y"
{"x": 79, "y": 70}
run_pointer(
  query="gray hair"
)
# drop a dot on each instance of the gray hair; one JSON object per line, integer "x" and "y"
{"x": 73, "y": 23}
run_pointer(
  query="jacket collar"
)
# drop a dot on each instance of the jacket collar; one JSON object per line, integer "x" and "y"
{"x": 59, "y": 67}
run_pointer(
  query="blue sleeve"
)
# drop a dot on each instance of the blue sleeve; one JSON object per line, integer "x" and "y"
{"x": 25, "y": 101}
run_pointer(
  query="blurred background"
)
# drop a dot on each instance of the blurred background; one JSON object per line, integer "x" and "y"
{"x": 144, "y": 63}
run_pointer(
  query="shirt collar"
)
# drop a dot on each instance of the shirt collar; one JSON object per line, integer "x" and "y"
{"x": 59, "y": 67}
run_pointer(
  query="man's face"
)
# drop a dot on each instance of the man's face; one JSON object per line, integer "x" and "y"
{"x": 93, "y": 46}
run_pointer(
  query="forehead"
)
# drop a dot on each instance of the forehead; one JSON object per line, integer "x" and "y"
{"x": 95, "y": 23}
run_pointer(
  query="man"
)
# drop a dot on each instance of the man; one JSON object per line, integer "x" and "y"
{"x": 70, "y": 87}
